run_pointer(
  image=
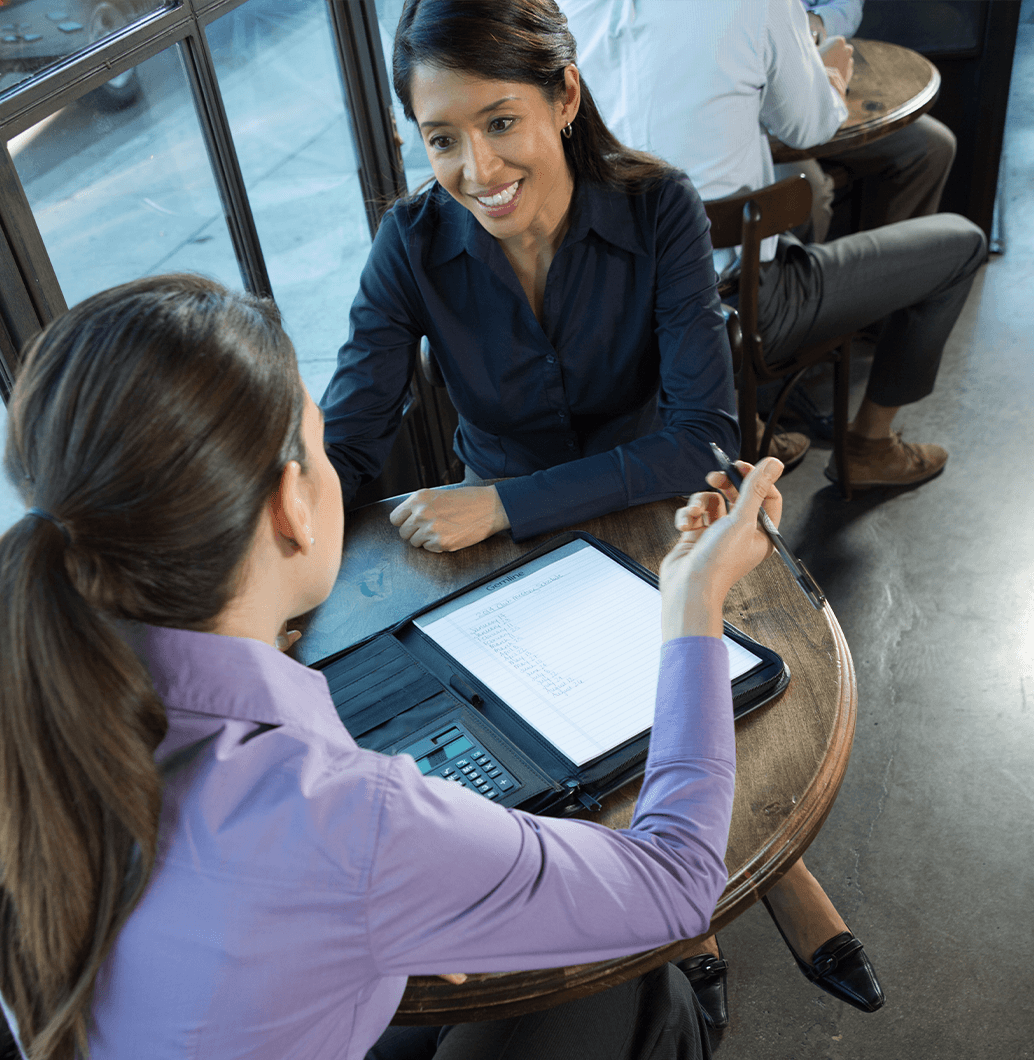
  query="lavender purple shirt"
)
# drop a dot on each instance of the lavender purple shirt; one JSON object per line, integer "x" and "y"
{"x": 301, "y": 879}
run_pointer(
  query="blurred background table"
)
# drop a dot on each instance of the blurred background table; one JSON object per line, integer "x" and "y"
{"x": 791, "y": 754}
{"x": 891, "y": 87}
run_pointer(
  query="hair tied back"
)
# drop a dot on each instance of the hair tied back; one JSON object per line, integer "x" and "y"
{"x": 39, "y": 513}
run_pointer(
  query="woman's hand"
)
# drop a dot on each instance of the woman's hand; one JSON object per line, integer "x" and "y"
{"x": 444, "y": 520}
{"x": 715, "y": 550}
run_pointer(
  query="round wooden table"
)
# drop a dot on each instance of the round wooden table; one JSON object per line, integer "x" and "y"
{"x": 891, "y": 87}
{"x": 791, "y": 754}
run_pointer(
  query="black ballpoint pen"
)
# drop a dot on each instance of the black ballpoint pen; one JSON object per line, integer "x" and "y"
{"x": 800, "y": 572}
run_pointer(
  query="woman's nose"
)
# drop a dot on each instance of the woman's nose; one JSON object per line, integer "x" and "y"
{"x": 480, "y": 163}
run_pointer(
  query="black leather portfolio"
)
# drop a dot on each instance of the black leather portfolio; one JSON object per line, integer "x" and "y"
{"x": 533, "y": 686}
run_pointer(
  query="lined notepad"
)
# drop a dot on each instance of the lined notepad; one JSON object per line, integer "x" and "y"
{"x": 571, "y": 642}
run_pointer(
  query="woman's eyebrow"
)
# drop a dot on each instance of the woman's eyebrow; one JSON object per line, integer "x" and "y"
{"x": 484, "y": 110}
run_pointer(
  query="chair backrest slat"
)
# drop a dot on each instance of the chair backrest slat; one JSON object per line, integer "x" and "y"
{"x": 782, "y": 206}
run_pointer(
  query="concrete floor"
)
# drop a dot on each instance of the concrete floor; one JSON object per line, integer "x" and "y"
{"x": 928, "y": 852}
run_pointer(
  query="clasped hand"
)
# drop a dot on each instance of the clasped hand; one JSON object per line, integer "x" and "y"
{"x": 716, "y": 549}
{"x": 838, "y": 58}
{"x": 444, "y": 520}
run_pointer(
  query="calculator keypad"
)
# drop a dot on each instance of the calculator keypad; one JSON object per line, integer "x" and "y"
{"x": 453, "y": 755}
{"x": 479, "y": 772}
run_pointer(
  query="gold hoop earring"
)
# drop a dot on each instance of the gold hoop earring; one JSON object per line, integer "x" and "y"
{"x": 567, "y": 131}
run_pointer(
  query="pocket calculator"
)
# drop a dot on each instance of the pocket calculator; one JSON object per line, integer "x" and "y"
{"x": 453, "y": 754}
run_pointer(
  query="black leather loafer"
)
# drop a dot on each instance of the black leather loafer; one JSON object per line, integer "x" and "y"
{"x": 706, "y": 974}
{"x": 841, "y": 968}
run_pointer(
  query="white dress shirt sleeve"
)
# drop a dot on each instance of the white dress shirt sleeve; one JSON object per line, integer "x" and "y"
{"x": 798, "y": 103}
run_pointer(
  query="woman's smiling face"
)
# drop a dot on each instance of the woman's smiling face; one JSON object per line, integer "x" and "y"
{"x": 495, "y": 146}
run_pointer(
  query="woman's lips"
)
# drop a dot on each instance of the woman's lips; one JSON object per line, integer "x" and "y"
{"x": 502, "y": 202}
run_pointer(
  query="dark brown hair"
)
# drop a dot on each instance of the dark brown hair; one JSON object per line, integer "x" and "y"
{"x": 153, "y": 421}
{"x": 526, "y": 41}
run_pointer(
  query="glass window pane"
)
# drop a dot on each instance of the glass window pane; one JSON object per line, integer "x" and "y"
{"x": 11, "y": 507}
{"x": 118, "y": 196}
{"x": 279, "y": 78}
{"x": 34, "y": 34}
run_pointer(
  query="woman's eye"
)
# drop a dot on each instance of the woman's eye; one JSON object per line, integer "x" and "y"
{"x": 440, "y": 143}
{"x": 500, "y": 124}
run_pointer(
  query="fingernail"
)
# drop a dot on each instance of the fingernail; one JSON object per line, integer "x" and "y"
{"x": 281, "y": 641}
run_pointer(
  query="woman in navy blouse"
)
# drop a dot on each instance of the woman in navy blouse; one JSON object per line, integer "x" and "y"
{"x": 565, "y": 283}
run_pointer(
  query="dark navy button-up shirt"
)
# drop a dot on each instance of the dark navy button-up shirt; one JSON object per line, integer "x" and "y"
{"x": 610, "y": 401}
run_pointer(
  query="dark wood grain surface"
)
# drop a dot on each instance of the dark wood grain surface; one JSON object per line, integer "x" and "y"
{"x": 791, "y": 754}
{"x": 891, "y": 87}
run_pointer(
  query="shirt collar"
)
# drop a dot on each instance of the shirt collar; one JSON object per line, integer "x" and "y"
{"x": 231, "y": 677}
{"x": 605, "y": 210}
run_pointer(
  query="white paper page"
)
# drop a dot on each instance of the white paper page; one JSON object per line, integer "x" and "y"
{"x": 571, "y": 643}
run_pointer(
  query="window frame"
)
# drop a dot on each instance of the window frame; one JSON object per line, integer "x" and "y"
{"x": 30, "y": 294}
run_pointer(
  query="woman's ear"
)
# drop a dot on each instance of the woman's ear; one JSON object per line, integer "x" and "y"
{"x": 572, "y": 97}
{"x": 290, "y": 510}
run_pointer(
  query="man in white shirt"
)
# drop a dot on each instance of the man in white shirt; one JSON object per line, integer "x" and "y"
{"x": 699, "y": 82}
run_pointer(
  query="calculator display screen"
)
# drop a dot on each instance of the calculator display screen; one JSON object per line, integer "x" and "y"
{"x": 443, "y": 754}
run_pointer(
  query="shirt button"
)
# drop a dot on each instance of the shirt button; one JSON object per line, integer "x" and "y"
{"x": 551, "y": 359}
{"x": 562, "y": 416}
{"x": 570, "y": 445}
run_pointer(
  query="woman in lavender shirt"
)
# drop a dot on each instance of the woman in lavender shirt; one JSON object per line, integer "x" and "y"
{"x": 196, "y": 860}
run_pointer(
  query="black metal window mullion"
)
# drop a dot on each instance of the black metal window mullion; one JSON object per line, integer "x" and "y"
{"x": 30, "y": 295}
{"x": 81, "y": 73}
{"x": 222, "y": 154}
{"x": 382, "y": 176}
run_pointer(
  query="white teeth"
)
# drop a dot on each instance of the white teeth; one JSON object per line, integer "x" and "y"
{"x": 502, "y": 198}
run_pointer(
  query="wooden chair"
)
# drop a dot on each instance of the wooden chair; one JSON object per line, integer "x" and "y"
{"x": 745, "y": 220}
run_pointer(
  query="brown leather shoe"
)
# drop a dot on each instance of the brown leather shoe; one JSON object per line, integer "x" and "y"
{"x": 888, "y": 461}
{"x": 787, "y": 446}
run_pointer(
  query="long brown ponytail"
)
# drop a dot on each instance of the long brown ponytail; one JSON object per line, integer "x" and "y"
{"x": 152, "y": 423}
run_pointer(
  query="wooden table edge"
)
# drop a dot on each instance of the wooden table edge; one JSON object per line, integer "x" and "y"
{"x": 430, "y": 1001}
{"x": 844, "y": 139}
{"x": 804, "y": 824}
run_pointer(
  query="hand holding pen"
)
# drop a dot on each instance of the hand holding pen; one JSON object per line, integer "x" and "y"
{"x": 797, "y": 568}
{"x": 715, "y": 549}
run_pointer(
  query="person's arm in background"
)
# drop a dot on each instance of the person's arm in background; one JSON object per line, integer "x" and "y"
{"x": 799, "y": 105}
{"x": 833, "y": 18}
{"x": 362, "y": 405}
{"x": 696, "y": 403}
